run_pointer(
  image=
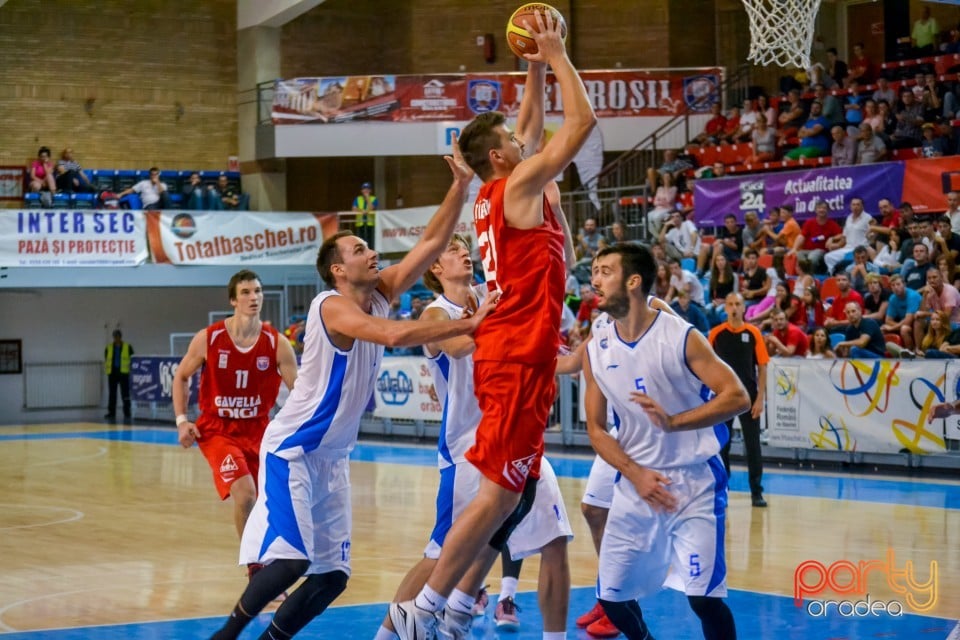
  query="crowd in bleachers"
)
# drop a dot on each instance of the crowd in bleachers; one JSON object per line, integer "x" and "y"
{"x": 65, "y": 183}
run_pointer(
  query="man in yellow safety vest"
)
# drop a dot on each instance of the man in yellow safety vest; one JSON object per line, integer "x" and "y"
{"x": 116, "y": 362}
{"x": 364, "y": 206}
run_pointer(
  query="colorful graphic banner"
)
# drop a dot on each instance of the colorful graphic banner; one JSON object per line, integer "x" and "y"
{"x": 619, "y": 93}
{"x": 405, "y": 390}
{"x": 397, "y": 230}
{"x": 927, "y": 181}
{"x": 229, "y": 238}
{"x": 54, "y": 238}
{"x": 11, "y": 183}
{"x": 878, "y": 406}
{"x": 715, "y": 198}
{"x": 151, "y": 379}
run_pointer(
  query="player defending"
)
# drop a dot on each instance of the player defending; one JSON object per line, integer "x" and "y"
{"x": 243, "y": 361}
{"x": 545, "y": 529}
{"x": 301, "y": 521}
{"x": 521, "y": 243}
{"x": 668, "y": 505}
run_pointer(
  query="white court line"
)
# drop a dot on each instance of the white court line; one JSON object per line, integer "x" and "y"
{"x": 75, "y": 515}
{"x": 955, "y": 634}
{"x": 101, "y": 451}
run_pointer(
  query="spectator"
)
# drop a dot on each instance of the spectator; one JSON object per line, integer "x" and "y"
{"x": 723, "y": 282}
{"x": 731, "y": 129}
{"x": 764, "y": 143}
{"x": 906, "y": 133}
{"x": 931, "y": 105}
{"x": 679, "y": 237}
{"x": 588, "y": 304}
{"x": 948, "y": 133}
{"x": 836, "y": 68}
{"x": 748, "y": 122}
{"x": 664, "y": 201}
{"x": 364, "y": 207}
{"x": 814, "y": 236}
{"x": 714, "y": 129}
{"x": 953, "y": 210}
{"x": 772, "y": 226}
{"x": 945, "y": 347}
{"x": 813, "y": 136}
{"x": 588, "y": 240}
{"x": 196, "y": 195}
{"x": 871, "y": 116}
{"x": 889, "y": 218}
{"x": 860, "y": 269}
{"x": 42, "y": 176}
{"x": 227, "y": 197}
{"x": 915, "y": 273}
{"x": 803, "y": 280}
{"x": 937, "y": 295}
{"x": 683, "y": 280}
{"x": 871, "y": 147}
{"x": 673, "y": 164}
{"x": 884, "y": 93}
{"x": 754, "y": 236}
{"x": 855, "y": 230}
{"x": 71, "y": 176}
{"x": 889, "y": 120}
{"x": 853, "y": 107}
{"x": 787, "y": 339}
{"x": 152, "y": 191}
{"x": 875, "y": 299}
{"x": 815, "y": 312}
{"x": 765, "y": 110}
{"x": 729, "y": 239}
{"x": 932, "y": 146}
{"x": 902, "y": 306}
{"x": 844, "y": 149}
{"x": 924, "y": 34}
{"x": 837, "y": 318}
{"x": 861, "y": 68}
{"x": 820, "y": 345}
{"x": 787, "y": 236}
{"x": 831, "y": 110}
{"x": 661, "y": 286}
{"x": 116, "y": 362}
{"x": 692, "y": 313}
{"x": 948, "y": 242}
{"x": 947, "y": 269}
{"x": 755, "y": 281}
{"x": 792, "y": 117}
{"x": 862, "y": 336}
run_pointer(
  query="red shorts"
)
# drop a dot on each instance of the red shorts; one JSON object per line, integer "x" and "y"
{"x": 231, "y": 455}
{"x": 515, "y": 400}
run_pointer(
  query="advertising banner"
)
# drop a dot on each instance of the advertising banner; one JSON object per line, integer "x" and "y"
{"x": 802, "y": 189}
{"x": 927, "y": 181}
{"x": 225, "y": 238}
{"x": 11, "y": 183}
{"x": 414, "y": 98}
{"x": 405, "y": 390}
{"x": 398, "y": 230}
{"x": 55, "y": 238}
{"x": 151, "y": 379}
{"x": 879, "y": 406}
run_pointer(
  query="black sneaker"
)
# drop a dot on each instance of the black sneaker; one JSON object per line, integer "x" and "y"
{"x": 758, "y": 501}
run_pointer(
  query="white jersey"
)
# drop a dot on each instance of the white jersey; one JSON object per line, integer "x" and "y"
{"x": 453, "y": 380}
{"x": 655, "y": 364}
{"x": 333, "y": 389}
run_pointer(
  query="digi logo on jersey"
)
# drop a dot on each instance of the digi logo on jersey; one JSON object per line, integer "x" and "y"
{"x": 238, "y": 407}
{"x": 394, "y": 390}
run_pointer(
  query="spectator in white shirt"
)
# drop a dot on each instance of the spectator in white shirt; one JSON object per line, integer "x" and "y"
{"x": 681, "y": 279}
{"x": 153, "y": 192}
{"x": 854, "y": 235}
{"x": 953, "y": 211}
{"x": 680, "y": 237}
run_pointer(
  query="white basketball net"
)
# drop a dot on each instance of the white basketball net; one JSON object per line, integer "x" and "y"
{"x": 781, "y": 31}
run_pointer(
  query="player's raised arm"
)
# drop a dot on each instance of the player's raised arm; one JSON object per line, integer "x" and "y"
{"x": 530, "y": 117}
{"x": 398, "y": 278}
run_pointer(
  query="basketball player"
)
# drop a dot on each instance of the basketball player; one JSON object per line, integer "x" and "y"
{"x": 521, "y": 242}
{"x": 658, "y": 372}
{"x": 301, "y": 521}
{"x": 545, "y": 529}
{"x": 243, "y": 361}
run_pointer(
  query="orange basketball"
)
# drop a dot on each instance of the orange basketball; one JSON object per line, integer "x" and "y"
{"x": 518, "y": 38}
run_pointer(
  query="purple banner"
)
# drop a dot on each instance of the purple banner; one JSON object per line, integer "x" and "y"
{"x": 715, "y": 198}
{"x": 151, "y": 379}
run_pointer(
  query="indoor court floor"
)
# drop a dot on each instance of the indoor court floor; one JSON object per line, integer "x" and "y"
{"x": 113, "y": 532}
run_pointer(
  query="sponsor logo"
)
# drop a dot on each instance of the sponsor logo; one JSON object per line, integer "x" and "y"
{"x": 263, "y": 363}
{"x": 394, "y": 389}
{"x": 516, "y": 472}
{"x": 483, "y": 95}
{"x": 183, "y": 225}
{"x": 699, "y": 92}
{"x": 229, "y": 465}
{"x": 222, "y": 364}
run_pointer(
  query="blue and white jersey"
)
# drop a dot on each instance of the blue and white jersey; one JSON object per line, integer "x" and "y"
{"x": 453, "y": 380}
{"x": 655, "y": 364}
{"x": 332, "y": 391}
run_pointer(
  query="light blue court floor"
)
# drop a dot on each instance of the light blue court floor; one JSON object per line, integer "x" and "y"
{"x": 758, "y": 615}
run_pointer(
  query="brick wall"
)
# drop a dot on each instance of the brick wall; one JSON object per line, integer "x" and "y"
{"x": 136, "y": 61}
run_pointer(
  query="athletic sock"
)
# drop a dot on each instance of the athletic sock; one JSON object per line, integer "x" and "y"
{"x": 508, "y": 588}
{"x": 430, "y": 600}
{"x": 460, "y": 601}
{"x": 554, "y": 635}
{"x": 385, "y": 634}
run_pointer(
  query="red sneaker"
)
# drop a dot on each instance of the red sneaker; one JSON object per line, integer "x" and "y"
{"x": 603, "y": 628}
{"x": 591, "y": 616}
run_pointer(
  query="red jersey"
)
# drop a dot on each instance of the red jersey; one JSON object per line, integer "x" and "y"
{"x": 527, "y": 267}
{"x": 238, "y": 385}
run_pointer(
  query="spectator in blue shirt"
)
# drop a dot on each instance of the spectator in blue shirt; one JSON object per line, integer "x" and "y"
{"x": 902, "y": 304}
{"x": 814, "y": 138}
{"x": 692, "y": 313}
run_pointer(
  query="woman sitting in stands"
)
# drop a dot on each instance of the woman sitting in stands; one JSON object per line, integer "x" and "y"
{"x": 764, "y": 142}
{"x": 42, "y": 172}
{"x": 820, "y": 345}
{"x": 664, "y": 201}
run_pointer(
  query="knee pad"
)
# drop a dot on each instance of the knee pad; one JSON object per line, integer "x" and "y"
{"x": 499, "y": 539}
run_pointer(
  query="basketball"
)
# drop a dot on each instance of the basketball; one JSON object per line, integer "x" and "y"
{"x": 518, "y": 38}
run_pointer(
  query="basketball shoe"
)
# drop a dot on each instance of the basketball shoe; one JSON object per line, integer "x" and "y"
{"x": 505, "y": 615}
{"x": 480, "y": 606}
{"x": 411, "y": 622}
{"x": 602, "y": 628}
{"x": 591, "y": 616}
{"x": 454, "y": 625}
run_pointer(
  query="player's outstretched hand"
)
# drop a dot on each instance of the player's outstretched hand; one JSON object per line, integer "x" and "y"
{"x": 546, "y": 32}
{"x": 657, "y": 415}
{"x": 652, "y": 487}
{"x": 187, "y": 434}
{"x": 941, "y": 411}
{"x": 461, "y": 170}
{"x": 489, "y": 303}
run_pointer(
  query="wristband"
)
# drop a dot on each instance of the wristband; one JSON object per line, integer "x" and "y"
{"x": 181, "y": 419}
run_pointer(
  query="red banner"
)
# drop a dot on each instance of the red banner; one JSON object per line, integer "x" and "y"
{"x": 634, "y": 93}
{"x": 927, "y": 181}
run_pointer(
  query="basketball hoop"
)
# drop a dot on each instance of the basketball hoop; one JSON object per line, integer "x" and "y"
{"x": 781, "y": 31}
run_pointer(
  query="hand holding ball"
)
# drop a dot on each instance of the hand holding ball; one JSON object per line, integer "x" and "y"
{"x": 519, "y": 39}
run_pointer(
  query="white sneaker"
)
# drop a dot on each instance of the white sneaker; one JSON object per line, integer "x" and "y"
{"x": 411, "y": 622}
{"x": 454, "y": 625}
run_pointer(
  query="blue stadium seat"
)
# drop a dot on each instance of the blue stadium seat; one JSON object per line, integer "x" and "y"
{"x": 104, "y": 179}
{"x": 31, "y": 200}
{"x": 61, "y": 200}
{"x": 176, "y": 198}
{"x": 84, "y": 200}
{"x": 126, "y": 179}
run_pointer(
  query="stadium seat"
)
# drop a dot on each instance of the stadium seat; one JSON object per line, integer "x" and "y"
{"x": 790, "y": 264}
{"x": 31, "y": 200}
{"x": 835, "y": 339}
{"x": 829, "y": 289}
{"x": 688, "y": 264}
{"x": 84, "y": 200}
{"x": 765, "y": 261}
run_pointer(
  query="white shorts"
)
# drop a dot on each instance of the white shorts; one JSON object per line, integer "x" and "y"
{"x": 640, "y": 545}
{"x": 546, "y": 521}
{"x": 302, "y": 513}
{"x": 599, "y": 490}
